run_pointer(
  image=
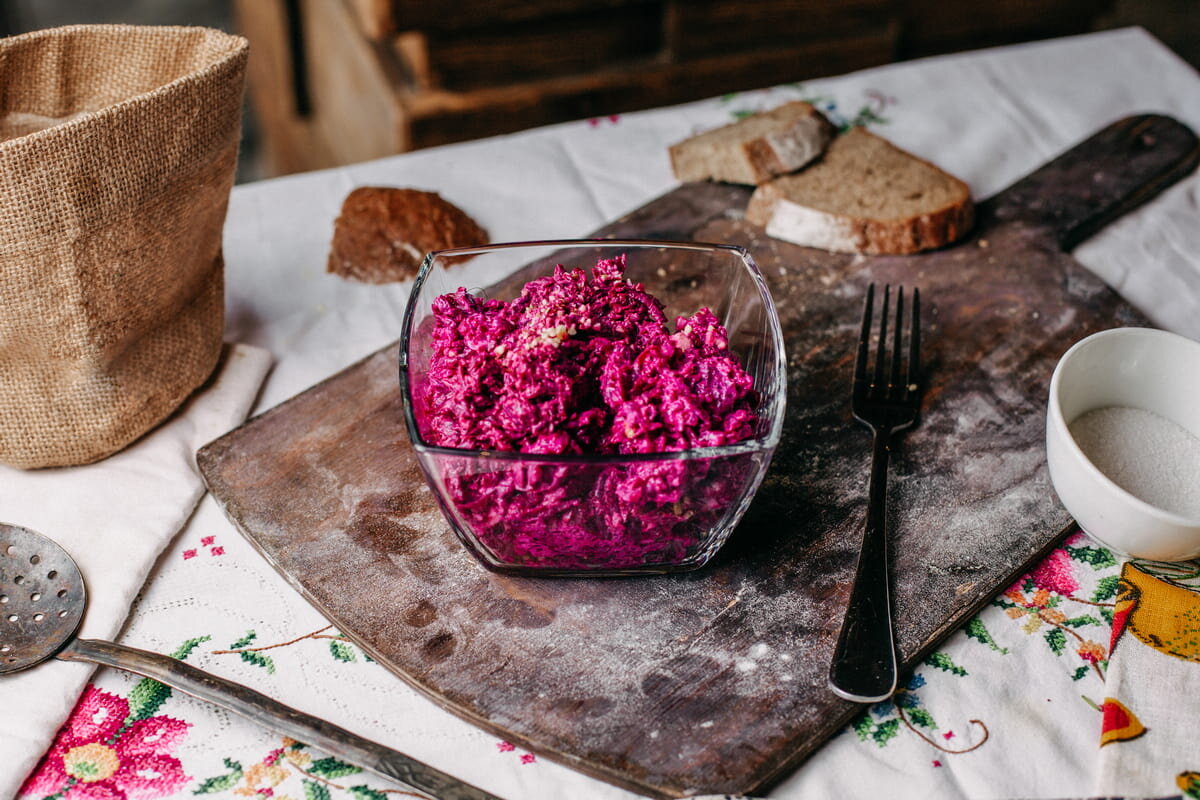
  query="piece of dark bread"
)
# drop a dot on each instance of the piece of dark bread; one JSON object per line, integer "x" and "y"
{"x": 865, "y": 195}
{"x": 754, "y": 149}
{"x": 383, "y": 233}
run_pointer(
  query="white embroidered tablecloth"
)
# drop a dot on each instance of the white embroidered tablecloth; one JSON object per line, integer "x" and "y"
{"x": 1011, "y": 706}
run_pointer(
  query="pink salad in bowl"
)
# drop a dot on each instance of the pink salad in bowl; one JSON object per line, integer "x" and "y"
{"x": 577, "y": 427}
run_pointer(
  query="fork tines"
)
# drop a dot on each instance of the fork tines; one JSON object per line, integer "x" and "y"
{"x": 870, "y": 382}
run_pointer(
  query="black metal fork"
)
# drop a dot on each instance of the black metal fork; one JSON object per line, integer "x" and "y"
{"x": 864, "y": 662}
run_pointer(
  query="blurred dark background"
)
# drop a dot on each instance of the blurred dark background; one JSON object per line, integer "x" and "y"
{"x": 339, "y": 81}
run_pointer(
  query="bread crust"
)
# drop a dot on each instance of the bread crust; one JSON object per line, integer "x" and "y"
{"x": 733, "y": 154}
{"x": 383, "y": 233}
{"x": 809, "y": 225}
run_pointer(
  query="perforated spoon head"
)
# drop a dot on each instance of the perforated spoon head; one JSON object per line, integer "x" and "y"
{"x": 42, "y": 598}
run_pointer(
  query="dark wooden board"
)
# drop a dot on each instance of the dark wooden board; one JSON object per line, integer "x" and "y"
{"x": 714, "y": 681}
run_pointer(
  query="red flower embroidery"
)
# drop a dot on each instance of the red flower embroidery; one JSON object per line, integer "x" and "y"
{"x": 96, "y": 757}
{"x": 1054, "y": 574}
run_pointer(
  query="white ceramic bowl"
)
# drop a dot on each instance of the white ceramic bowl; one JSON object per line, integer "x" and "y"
{"x": 1141, "y": 368}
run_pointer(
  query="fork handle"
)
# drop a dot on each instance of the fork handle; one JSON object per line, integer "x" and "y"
{"x": 864, "y": 661}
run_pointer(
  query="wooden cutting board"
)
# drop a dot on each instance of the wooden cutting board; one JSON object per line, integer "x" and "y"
{"x": 714, "y": 681}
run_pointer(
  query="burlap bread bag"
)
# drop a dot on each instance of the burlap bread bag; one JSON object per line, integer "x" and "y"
{"x": 117, "y": 152}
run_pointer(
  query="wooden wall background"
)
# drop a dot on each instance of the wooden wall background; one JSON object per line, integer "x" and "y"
{"x": 340, "y": 81}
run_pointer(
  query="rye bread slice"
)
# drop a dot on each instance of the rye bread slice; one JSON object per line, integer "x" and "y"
{"x": 865, "y": 195}
{"x": 754, "y": 149}
{"x": 383, "y": 233}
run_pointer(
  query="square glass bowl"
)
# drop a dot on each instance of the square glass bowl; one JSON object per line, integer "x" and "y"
{"x": 561, "y": 515}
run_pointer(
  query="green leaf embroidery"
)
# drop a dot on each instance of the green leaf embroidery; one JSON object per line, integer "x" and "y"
{"x": 1107, "y": 613}
{"x": 975, "y": 630}
{"x": 1098, "y": 557}
{"x": 1079, "y": 673}
{"x": 245, "y": 640}
{"x": 863, "y": 726}
{"x": 1057, "y": 641}
{"x": 146, "y": 697}
{"x": 221, "y": 783}
{"x": 866, "y": 116}
{"x": 315, "y": 791}
{"x": 184, "y": 650}
{"x": 367, "y": 793}
{"x": 330, "y": 767}
{"x": 943, "y": 662}
{"x": 886, "y": 731}
{"x": 921, "y": 717}
{"x": 342, "y": 651}
{"x": 258, "y": 660}
{"x": 1086, "y": 619}
{"x": 742, "y": 114}
{"x": 1106, "y": 588}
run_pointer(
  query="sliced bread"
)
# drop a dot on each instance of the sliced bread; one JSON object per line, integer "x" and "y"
{"x": 383, "y": 233}
{"x": 865, "y": 195}
{"x": 754, "y": 149}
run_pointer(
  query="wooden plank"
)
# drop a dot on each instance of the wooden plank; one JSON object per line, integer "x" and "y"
{"x": 375, "y": 17}
{"x": 542, "y": 48}
{"x": 696, "y": 28}
{"x": 933, "y": 26}
{"x": 714, "y": 681}
{"x": 440, "y": 117}
{"x": 355, "y": 114}
{"x": 477, "y": 14}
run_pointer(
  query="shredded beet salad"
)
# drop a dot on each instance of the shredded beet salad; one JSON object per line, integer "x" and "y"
{"x": 586, "y": 364}
{"x": 582, "y": 364}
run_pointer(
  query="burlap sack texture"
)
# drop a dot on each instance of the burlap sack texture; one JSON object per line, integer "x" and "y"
{"x": 117, "y": 153}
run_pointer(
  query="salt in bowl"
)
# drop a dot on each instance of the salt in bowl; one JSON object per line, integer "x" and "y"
{"x": 1123, "y": 441}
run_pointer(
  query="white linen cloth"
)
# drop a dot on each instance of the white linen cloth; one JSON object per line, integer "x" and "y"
{"x": 989, "y": 117}
{"x": 114, "y": 517}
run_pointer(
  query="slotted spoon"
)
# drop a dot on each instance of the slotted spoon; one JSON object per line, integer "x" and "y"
{"x": 42, "y": 600}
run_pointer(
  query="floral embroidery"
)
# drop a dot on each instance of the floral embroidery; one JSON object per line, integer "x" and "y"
{"x": 111, "y": 749}
{"x": 339, "y": 648}
{"x": 509, "y": 747}
{"x": 868, "y": 113}
{"x": 882, "y": 722}
{"x": 1040, "y": 602}
{"x": 317, "y": 776}
{"x": 207, "y": 543}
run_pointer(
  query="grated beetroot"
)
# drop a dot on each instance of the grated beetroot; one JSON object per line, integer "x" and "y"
{"x": 585, "y": 364}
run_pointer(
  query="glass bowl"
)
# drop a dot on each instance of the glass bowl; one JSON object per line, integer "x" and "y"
{"x": 559, "y": 515}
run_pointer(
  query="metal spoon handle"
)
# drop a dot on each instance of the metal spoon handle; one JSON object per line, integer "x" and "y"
{"x": 275, "y": 715}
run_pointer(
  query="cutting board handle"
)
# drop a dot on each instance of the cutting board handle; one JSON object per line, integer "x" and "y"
{"x": 1098, "y": 180}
